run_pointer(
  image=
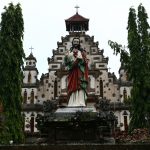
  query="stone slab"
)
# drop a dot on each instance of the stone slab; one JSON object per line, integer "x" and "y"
{"x": 75, "y": 109}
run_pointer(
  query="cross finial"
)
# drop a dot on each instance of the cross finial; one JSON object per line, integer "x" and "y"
{"x": 77, "y": 7}
{"x": 31, "y": 48}
{"x": 109, "y": 69}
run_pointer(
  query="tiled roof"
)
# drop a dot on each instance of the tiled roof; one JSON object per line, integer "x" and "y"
{"x": 31, "y": 57}
{"x": 77, "y": 17}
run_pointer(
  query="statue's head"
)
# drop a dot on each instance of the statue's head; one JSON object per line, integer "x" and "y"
{"x": 76, "y": 42}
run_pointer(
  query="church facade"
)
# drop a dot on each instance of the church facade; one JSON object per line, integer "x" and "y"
{"x": 102, "y": 84}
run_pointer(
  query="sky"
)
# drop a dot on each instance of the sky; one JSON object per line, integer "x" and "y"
{"x": 44, "y": 23}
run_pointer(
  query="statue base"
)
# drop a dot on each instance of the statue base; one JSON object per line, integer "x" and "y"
{"x": 75, "y": 124}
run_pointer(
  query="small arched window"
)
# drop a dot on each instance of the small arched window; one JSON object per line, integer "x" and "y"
{"x": 32, "y": 123}
{"x": 55, "y": 88}
{"x": 101, "y": 88}
{"x": 29, "y": 77}
{"x": 25, "y": 97}
{"x": 32, "y": 96}
{"x": 124, "y": 94}
{"x": 125, "y": 116}
{"x": 23, "y": 116}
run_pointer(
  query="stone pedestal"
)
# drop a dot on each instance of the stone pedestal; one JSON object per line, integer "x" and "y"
{"x": 75, "y": 124}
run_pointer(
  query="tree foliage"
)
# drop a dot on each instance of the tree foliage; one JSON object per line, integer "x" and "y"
{"x": 11, "y": 62}
{"x": 137, "y": 65}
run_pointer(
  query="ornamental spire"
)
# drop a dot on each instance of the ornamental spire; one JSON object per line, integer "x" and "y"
{"x": 77, "y": 7}
{"x": 31, "y": 48}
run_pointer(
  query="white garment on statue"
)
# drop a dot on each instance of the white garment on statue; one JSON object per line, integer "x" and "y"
{"x": 72, "y": 58}
{"x": 77, "y": 98}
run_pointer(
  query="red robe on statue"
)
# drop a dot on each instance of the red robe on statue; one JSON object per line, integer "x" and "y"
{"x": 78, "y": 78}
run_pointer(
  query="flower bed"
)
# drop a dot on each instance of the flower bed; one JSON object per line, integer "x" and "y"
{"x": 136, "y": 136}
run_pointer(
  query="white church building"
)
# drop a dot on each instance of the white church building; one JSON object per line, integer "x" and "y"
{"x": 102, "y": 84}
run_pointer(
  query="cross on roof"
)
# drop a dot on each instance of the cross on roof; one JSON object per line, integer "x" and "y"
{"x": 77, "y": 7}
{"x": 109, "y": 69}
{"x": 31, "y": 48}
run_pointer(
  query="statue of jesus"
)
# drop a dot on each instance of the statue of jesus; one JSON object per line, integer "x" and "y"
{"x": 77, "y": 65}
